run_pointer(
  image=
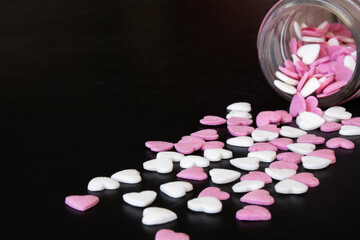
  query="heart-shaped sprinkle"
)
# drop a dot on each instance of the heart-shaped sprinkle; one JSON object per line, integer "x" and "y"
{"x": 176, "y": 189}
{"x": 289, "y": 157}
{"x": 253, "y": 213}
{"x": 194, "y": 161}
{"x": 281, "y": 143}
{"x": 247, "y": 186}
{"x": 330, "y": 127}
{"x": 338, "y": 142}
{"x": 312, "y": 105}
{"x": 268, "y": 117}
{"x": 216, "y": 154}
{"x": 193, "y": 173}
{"x": 324, "y": 153}
{"x": 338, "y": 112}
{"x": 130, "y": 176}
{"x": 223, "y": 176}
{"x": 310, "y": 138}
{"x": 159, "y": 146}
{"x": 240, "y": 130}
{"x": 297, "y": 105}
{"x": 212, "y": 120}
{"x": 241, "y": 114}
{"x": 192, "y": 139}
{"x": 290, "y": 186}
{"x": 263, "y": 136}
{"x": 167, "y": 234}
{"x": 160, "y": 165}
{"x": 157, "y": 215}
{"x": 352, "y": 121}
{"x": 101, "y": 183}
{"x": 140, "y": 199}
{"x": 174, "y": 156}
{"x": 206, "y": 134}
{"x": 212, "y": 144}
{"x": 270, "y": 128}
{"x": 309, "y": 121}
{"x": 306, "y": 178}
{"x": 285, "y": 116}
{"x": 310, "y": 87}
{"x": 302, "y": 148}
{"x": 349, "y": 130}
{"x": 291, "y": 132}
{"x": 238, "y": 121}
{"x": 81, "y": 202}
{"x": 243, "y": 141}
{"x": 246, "y": 163}
{"x": 214, "y": 192}
{"x": 284, "y": 165}
{"x": 239, "y": 106}
{"x": 309, "y": 53}
{"x": 315, "y": 163}
{"x": 257, "y": 175}
{"x": 209, "y": 205}
{"x": 263, "y": 156}
{"x": 258, "y": 197}
{"x": 262, "y": 147}
{"x": 279, "y": 174}
{"x": 187, "y": 148}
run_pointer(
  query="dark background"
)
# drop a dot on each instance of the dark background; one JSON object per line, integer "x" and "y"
{"x": 83, "y": 85}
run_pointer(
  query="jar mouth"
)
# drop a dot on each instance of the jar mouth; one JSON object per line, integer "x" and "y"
{"x": 277, "y": 30}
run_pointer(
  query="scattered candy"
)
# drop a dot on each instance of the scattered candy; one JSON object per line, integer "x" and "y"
{"x": 306, "y": 178}
{"x": 167, "y": 234}
{"x": 352, "y": 121}
{"x": 140, "y": 199}
{"x": 81, "y": 202}
{"x": 157, "y": 215}
{"x": 159, "y": 146}
{"x": 289, "y": 157}
{"x": 239, "y": 106}
{"x": 241, "y": 114}
{"x": 174, "y": 156}
{"x": 279, "y": 174}
{"x": 263, "y": 156}
{"x": 214, "y": 192}
{"x": 262, "y": 147}
{"x": 281, "y": 143}
{"x": 330, "y": 127}
{"x": 206, "y": 134}
{"x": 233, "y": 121}
{"x": 309, "y": 121}
{"x": 216, "y": 154}
{"x": 101, "y": 183}
{"x": 160, "y": 165}
{"x": 212, "y": 120}
{"x": 324, "y": 153}
{"x": 194, "y": 161}
{"x": 310, "y": 138}
{"x": 253, "y": 213}
{"x": 349, "y": 130}
{"x": 247, "y": 186}
{"x": 263, "y": 136}
{"x": 176, "y": 189}
{"x": 238, "y": 131}
{"x": 246, "y": 163}
{"x": 212, "y": 144}
{"x": 223, "y": 176}
{"x": 209, "y": 205}
{"x": 290, "y": 186}
{"x": 258, "y": 197}
{"x": 302, "y": 148}
{"x": 130, "y": 176}
{"x": 340, "y": 143}
{"x": 291, "y": 132}
{"x": 193, "y": 173}
{"x": 243, "y": 141}
{"x": 257, "y": 175}
{"x": 284, "y": 165}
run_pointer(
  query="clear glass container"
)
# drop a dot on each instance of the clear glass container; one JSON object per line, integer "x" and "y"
{"x": 277, "y": 29}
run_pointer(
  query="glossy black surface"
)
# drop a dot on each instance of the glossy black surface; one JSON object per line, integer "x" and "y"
{"x": 84, "y": 84}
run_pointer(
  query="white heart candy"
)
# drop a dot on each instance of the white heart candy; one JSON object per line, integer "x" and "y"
{"x": 140, "y": 199}
{"x": 310, "y": 86}
{"x": 223, "y": 176}
{"x": 194, "y": 161}
{"x": 263, "y": 156}
{"x": 286, "y": 79}
{"x": 247, "y": 186}
{"x": 262, "y": 135}
{"x": 301, "y": 148}
{"x": 349, "y": 130}
{"x": 291, "y": 132}
{"x": 160, "y": 165}
{"x": 309, "y": 53}
{"x": 329, "y": 119}
{"x": 315, "y": 163}
{"x": 309, "y": 121}
{"x": 239, "y": 106}
{"x": 101, "y": 183}
{"x": 279, "y": 174}
{"x": 242, "y": 141}
{"x": 130, "y": 176}
{"x": 176, "y": 189}
{"x": 350, "y": 62}
{"x": 337, "y": 112}
{"x": 216, "y": 154}
{"x": 285, "y": 87}
{"x": 174, "y": 156}
{"x": 205, "y": 204}
{"x": 156, "y": 215}
{"x": 313, "y": 39}
{"x": 290, "y": 186}
{"x": 241, "y": 114}
{"x": 246, "y": 163}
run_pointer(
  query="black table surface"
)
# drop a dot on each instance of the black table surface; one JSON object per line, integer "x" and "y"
{"x": 84, "y": 84}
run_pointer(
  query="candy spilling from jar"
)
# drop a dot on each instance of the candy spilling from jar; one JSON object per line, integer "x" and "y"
{"x": 323, "y": 61}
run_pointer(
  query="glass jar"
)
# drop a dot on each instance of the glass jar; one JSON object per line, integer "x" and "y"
{"x": 277, "y": 29}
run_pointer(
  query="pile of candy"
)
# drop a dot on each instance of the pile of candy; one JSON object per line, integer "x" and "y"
{"x": 271, "y": 135}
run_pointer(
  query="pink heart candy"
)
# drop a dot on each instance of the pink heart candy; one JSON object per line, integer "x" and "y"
{"x": 253, "y": 213}
{"x": 193, "y": 173}
{"x": 306, "y": 178}
{"x": 212, "y": 144}
{"x": 159, "y": 146}
{"x": 270, "y": 128}
{"x": 212, "y": 120}
{"x": 206, "y": 134}
{"x": 310, "y": 138}
{"x": 297, "y": 105}
{"x": 289, "y": 157}
{"x": 262, "y": 147}
{"x": 187, "y": 147}
{"x": 167, "y": 234}
{"x": 312, "y": 105}
{"x": 338, "y": 142}
{"x": 283, "y": 165}
{"x": 258, "y": 197}
{"x": 281, "y": 143}
{"x": 239, "y": 121}
{"x": 352, "y": 121}
{"x": 289, "y": 73}
{"x": 257, "y": 175}
{"x": 268, "y": 117}
{"x": 289, "y": 64}
{"x": 81, "y": 202}
{"x": 324, "y": 153}
{"x": 330, "y": 78}
{"x": 240, "y": 130}
{"x": 334, "y": 86}
{"x": 330, "y": 127}
{"x": 303, "y": 80}
{"x": 285, "y": 116}
{"x": 214, "y": 192}
{"x": 191, "y": 139}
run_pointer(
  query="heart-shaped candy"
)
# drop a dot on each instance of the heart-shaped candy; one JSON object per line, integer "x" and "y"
{"x": 291, "y": 132}
{"x": 238, "y": 121}
{"x": 352, "y": 121}
{"x": 223, "y": 176}
{"x": 253, "y": 213}
{"x": 81, "y": 202}
{"x": 206, "y": 134}
{"x": 243, "y": 141}
{"x": 240, "y": 130}
{"x": 247, "y": 186}
{"x": 330, "y": 127}
{"x": 289, "y": 157}
{"x": 239, "y": 106}
{"x": 174, "y": 156}
{"x": 193, "y": 173}
{"x": 337, "y": 112}
{"x": 268, "y": 117}
{"x": 280, "y": 174}
{"x": 324, "y": 153}
{"x": 187, "y": 148}
{"x": 241, "y": 114}
{"x": 284, "y": 165}
{"x": 156, "y": 216}
{"x": 309, "y": 53}
{"x": 258, "y": 197}
{"x": 205, "y": 204}
{"x": 212, "y": 120}
{"x": 167, "y": 234}
{"x": 160, "y": 165}
{"x": 176, "y": 189}
{"x": 212, "y": 144}
{"x": 263, "y": 156}
{"x": 263, "y": 136}
{"x": 310, "y": 87}
{"x": 130, "y": 176}
{"x": 246, "y": 163}
{"x": 159, "y": 146}
{"x": 338, "y": 142}
{"x": 216, "y": 154}
{"x": 306, "y": 178}
{"x": 257, "y": 175}
{"x": 310, "y": 138}
{"x": 194, "y": 161}
{"x": 269, "y": 128}
{"x": 312, "y": 105}
{"x": 349, "y": 130}
{"x": 290, "y": 186}
{"x": 140, "y": 199}
{"x": 214, "y": 192}
{"x": 281, "y": 143}
{"x": 309, "y": 121}
{"x": 297, "y": 105}
{"x": 315, "y": 163}
{"x": 262, "y": 147}
{"x": 101, "y": 183}
{"x": 301, "y": 148}
{"x": 285, "y": 116}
